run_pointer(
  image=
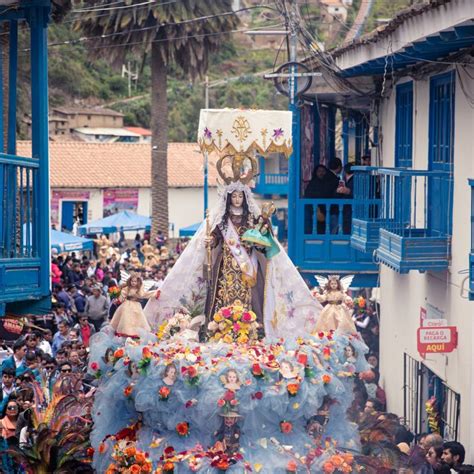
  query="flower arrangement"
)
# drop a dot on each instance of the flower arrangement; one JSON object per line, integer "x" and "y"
{"x": 233, "y": 324}
{"x": 182, "y": 429}
{"x": 339, "y": 463}
{"x": 190, "y": 374}
{"x": 177, "y": 323}
{"x": 128, "y": 459}
{"x": 228, "y": 402}
{"x": 286, "y": 427}
{"x": 431, "y": 407}
{"x": 145, "y": 361}
{"x": 114, "y": 292}
{"x": 360, "y": 305}
{"x": 164, "y": 393}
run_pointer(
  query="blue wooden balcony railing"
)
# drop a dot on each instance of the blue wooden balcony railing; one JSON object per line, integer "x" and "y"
{"x": 272, "y": 183}
{"x": 415, "y": 219}
{"x": 324, "y": 240}
{"x": 24, "y": 182}
{"x": 471, "y": 255}
{"x": 366, "y": 213}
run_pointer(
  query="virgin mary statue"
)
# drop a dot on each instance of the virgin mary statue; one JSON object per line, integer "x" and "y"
{"x": 234, "y": 269}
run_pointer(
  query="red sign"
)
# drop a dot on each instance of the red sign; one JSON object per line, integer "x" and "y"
{"x": 435, "y": 340}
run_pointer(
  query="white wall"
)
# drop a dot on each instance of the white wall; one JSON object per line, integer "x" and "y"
{"x": 402, "y": 295}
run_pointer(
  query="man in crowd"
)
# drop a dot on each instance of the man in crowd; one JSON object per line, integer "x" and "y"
{"x": 60, "y": 337}
{"x": 97, "y": 308}
{"x": 453, "y": 454}
{"x": 85, "y": 328}
{"x": 8, "y": 386}
{"x": 17, "y": 360}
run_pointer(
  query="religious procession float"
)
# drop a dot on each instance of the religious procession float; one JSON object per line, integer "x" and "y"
{"x": 234, "y": 365}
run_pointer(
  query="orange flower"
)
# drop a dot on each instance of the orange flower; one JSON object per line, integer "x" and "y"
{"x": 348, "y": 458}
{"x": 119, "y": 353}
{"x": 147, "y": 467}
{"x": 146, "y": 353}
{"x": 111, "y": 469}
{"x": 182, "y": 428}
{"x": 127, "y": 391}
{"x": 90, "y": 452}
{"x": 293, "y": 388}
{"x": 164, "y": 393}
{"x": 361, "y": 302}
{"x": 337, "y": 460}
{"x": 102, "y": 448}
{"x": 134, "y": 469}
{"x": 168, "y": 466}
{"x": 291, "y": 466}
{"x": 130, "y": 451}
{"x": 326, "y": 379}
{"x": 328, "y": 467}
{"x": 140, "y": 457}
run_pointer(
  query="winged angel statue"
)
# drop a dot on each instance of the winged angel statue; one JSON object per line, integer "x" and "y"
{"x": 337, "y": 314}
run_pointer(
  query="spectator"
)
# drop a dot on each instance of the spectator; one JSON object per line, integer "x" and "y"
{"x": 31, "y": 342}
{"x": 44, "y": 341}
{"x": 9, "y": 421}
{"x": 78, "y": 298}
{"x": 97, "y": 308}
{"x": 99, "y": 272}
{"x": 75, "y": 361}
{"x": 85, "y": 328}
{"x": 17, "y": 360}
{"x": 334, "y": 181}
{"x": 60, "y": 337}
{"x": 63, "y": 297}
{"x": 365, "y": 160}
{"x": 8, "y": 387}
{"x": 453, "y": 454}
{"x": 55, "y": 272}
{"x": 433, "y": 457}
{"x": 346, "y": 191}
{"x": 61, "y": 356}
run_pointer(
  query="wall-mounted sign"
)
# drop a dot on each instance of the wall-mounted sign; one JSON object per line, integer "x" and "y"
{"x": 436, "y": 340}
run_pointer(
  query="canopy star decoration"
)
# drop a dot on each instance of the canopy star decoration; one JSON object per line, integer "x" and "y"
{"x": 237, "y": 131}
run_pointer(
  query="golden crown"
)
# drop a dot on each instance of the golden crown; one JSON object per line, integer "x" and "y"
{"x": 239, "y": 167}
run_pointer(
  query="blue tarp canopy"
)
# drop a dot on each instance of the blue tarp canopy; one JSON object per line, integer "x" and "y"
{"x": 190, "y": 230}
{"x": 122, "y": 221}
{"x": 64, "y": 242}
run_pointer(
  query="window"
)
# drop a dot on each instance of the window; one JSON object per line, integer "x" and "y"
{"x": 441, "y": 150}
{"x": 404, "y": 125}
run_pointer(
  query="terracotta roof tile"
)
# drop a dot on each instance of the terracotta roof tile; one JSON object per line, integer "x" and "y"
{"x": 103, "y": 165}
{"x": 141, "y": 131}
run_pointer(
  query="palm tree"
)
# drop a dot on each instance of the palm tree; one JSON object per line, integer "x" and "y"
{"x": 183, "y": 32}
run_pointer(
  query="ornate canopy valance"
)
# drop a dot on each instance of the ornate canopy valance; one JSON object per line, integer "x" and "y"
{"x": 232, "y": 131}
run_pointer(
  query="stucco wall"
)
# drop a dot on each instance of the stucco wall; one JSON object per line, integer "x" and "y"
{"x": 403, "y": 295}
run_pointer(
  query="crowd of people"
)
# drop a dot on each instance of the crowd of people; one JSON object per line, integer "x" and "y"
{"x": 53, "y": 354}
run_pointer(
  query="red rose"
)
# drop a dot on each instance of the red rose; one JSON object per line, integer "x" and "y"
{"x": 256, "y": 369}
{"x": 221, "y": 402}
{"x": 168, "y": 452}
{"x": 229, "y": 395}
{"x": 182, "y": 428}
{"x": 286, "y": 427}
{"x": 192, "y": 372}
{"x": 258, "y": 395}
{"x": 94, "y": 365}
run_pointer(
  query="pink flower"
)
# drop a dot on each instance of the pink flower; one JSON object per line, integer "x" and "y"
{"x": 220, "y": 402}
{"x": 234, "y": 402}
{"x": 236, "y": 327}
{"x": 226, "y": 312}
{"x": 247, "y": 318}
{"x": 258, "y": 395}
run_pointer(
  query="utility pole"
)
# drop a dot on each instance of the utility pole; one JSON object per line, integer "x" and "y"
{"x": 206, "y": 157}
{"x": 131, "y": 76}
{"x": 293, "y": 184}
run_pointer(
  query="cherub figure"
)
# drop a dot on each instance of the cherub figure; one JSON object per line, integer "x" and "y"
{"x": 231, "y": 380}
{"x": 336, "y": 315}
{"x": 170, "y": 374}
{"x": 228, "y": 435}
{"x": 287, "y": 370}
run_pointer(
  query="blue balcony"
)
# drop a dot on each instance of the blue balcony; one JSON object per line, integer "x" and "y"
{"x": 415, "y": 220}
{"x": 272, "y": 183}
{"x": 24, "y": 181}
{"x": 471, "y": 255}
{"x": 366, "y": 219}
{"x": 324, "y": 241}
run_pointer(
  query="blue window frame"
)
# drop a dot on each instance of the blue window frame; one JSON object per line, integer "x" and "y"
{"x": 404, "y": 125}
{"x": 441, "y": 149}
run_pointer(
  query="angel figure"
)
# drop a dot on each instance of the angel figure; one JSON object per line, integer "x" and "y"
{"x": 287, "y": 370}
{"x": 336, "y": 315}
{"x": 129, "y": 318}
{"x": 231, "y": 380}
{"x": 189, "y": 328}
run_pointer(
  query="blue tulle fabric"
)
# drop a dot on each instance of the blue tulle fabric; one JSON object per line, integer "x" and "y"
{"x": 320, "y": 368}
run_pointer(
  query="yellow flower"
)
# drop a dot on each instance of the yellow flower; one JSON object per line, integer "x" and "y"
{"x": 227, "y": 339}
{"x": 218, "y": 318}
{"x": 238, "y": 309}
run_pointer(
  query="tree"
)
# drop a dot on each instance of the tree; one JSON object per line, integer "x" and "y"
{"x": 185, "y": 33}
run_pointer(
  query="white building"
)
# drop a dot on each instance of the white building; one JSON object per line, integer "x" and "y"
{"x": 415, "y": 87}
{"x": 92, "y": 180}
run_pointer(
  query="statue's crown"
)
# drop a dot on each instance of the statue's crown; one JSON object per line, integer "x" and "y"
{"x": 237, "y": 167}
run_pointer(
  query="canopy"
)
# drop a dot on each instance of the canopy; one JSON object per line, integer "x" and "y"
{"x": 190, "y": 230}
{"x": 122, "y": 221}
{"x": 64, "y": 242}
{"x": 231, "y": 131}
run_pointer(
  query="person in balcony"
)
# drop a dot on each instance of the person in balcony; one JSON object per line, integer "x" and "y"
{"x": 320, "y": 187}
{"x": 335, "y": 182}
{"x": 346, "y": 191}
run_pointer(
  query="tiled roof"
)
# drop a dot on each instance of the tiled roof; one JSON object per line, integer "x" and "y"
{"x": 144, "y": 132}
{"x": 105, "y": 165}
{"x": 88, "y": 111}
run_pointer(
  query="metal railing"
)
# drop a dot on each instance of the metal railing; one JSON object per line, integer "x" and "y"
{"x": 19, "y": 212}
{"x": 272, "y": 178}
